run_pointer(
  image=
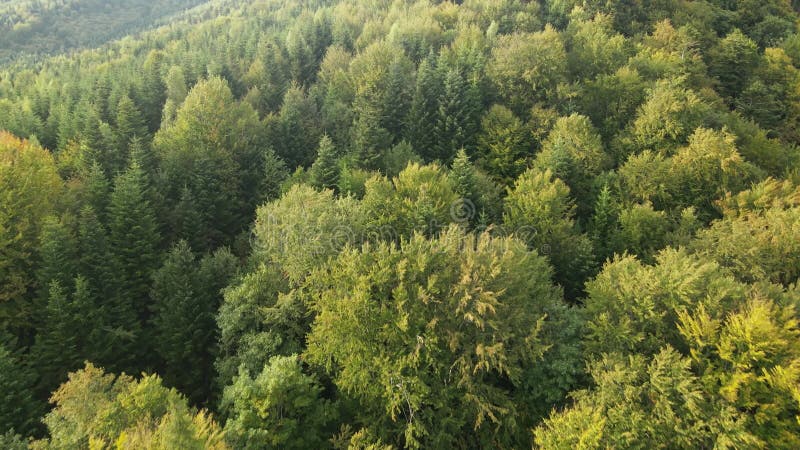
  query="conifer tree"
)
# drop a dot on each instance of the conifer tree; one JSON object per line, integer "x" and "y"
{"x": 324, "y": 172}
{"x": 129, "y": 124}
{"x": 424, "y": 108}
{"x": 58, "y": 256}
{"x": 451, "y": 126}
{"x": 18, "y": 409}
{"x": 370, "y": 138}
{"x": 56, "y": 349}
{"x": 133, "y": 239}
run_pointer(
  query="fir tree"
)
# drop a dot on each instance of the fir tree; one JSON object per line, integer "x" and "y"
{"x": 424, "y": 108}
{"x": 133, "y": 239}
{"x": 58, "y": 256}
{"x": 129, "y": 124}
{"x": 18, "y": 409}
{"x": 325, "y": 170}
{"x": 56, "y": 349}
{"x": 370, "y": 138}
{"x": 451, "y": 126}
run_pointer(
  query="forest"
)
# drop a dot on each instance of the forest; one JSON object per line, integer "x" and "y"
{"x": 400, "y": 224}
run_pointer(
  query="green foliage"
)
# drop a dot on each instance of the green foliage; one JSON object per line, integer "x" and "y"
{"x": 281, "y": 408}
{"x": 30, "y": 189}
{"x": 528, "y": 67}
{"x": 324, "y": 172}
{"x": 18, "y": 409}
{"x": 185, "y": 297}
{"x": 503, "y": 144}
{"x": 456, "y": 334}
{"x": 133, "y": 238}
{"x": 539, "y": 211}
{"x": 97, "y": 410}
{"x": 419, "y": 199}
{"x": 574, "y": 153}
{"x": 212, "y": 149}
{"x": 757, "y": 236}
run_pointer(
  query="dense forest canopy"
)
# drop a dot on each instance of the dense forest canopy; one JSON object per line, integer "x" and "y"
{"x": 400, "y": 224}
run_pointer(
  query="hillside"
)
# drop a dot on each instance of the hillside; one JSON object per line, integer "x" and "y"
{"x": 54, "y": 26}
{"x": 399, "y": 224}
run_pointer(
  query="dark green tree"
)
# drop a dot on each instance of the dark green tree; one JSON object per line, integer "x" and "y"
{"x": 324, "y": 173}
{"x": 425, "y": 108}
{"x": 133, "y": 245}
{"x": 18, "y": 410}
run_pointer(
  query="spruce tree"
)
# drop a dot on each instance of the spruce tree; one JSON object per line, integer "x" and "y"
{"x": 370, "y": 139}
{"x": 129, "y": 124}
{"x": 133, "y": 239}
{"x": 186, "y": 294}
{"x": 451, "y": 126}
{"x": 18, "y": 409}
{"x": 325, "y": 170}
{"x": 424, "y": 108}
{"x": 58, "y": 256}
{"x": 55, "y": 351}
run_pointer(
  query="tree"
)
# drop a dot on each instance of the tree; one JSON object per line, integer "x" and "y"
{"x": 296, "y": 132}
{"x": 30, "y": 189}
{"x": 733, "y": 61}
{"x": 19, "y": 412}
{"x": 755, "y": 238}
{"x": 456, "y": 327}
{"x": 424, "y": 108}
{"x": 133, "y": 245}
{"x": 56, "y": 350}
{"x": 58, "y": 256}
{"x": 527, "y": 68}
{"x": 574, "y": 152}
{"x": 539, "y": 211}
{"x": 97, "y": 409}
{"x": 281, "y": 407}
{"x": 184, "y": 331}
{"x": 420, "y": 198}
{"x": 212, "y": 150}
{"x": 594, "y": 46}
{"x": 129, "y": 123}
{"x": 503, "y": 144}
{"x": 324, "y": 172}
{"x": 456, "y": 124}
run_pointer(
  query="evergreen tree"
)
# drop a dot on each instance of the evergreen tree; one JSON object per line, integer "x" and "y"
{"x": 56, "y": 349}
{"x": 452, "y": 125}
{"x": 324, "y": 172}
{"x": 370, "y": 139}
{"x": 462, "y": 175}
{"x": 425, "y": 108}
{"x": 58, "y": 256}
{"x": 128, "y": 124}
{"x": 133, "y": 243}
{"x": 19, "y": 411}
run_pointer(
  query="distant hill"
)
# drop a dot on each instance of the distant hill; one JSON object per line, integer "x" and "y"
{"x": 54, "y": 26}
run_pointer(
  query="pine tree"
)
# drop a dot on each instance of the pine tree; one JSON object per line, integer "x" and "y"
{"x": 55, "y": 351}
{"x": 93, "y": 260}
{"x": 451, "y": 126}
{"x": 129, "y": 124}
{"x": 424, "y": 108}
{"x": 18, "y": 409}
{"x": 325, "y": 170}
{"x": 397, "y": 99}
{"x": 370, "y": 139}
{"x": 462, "y": 174}
{"x": 133, "y": 239}
{"x": 186, "y": 295}
{"x": 58, "y": 256}
{"x": 603, "y": 223}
